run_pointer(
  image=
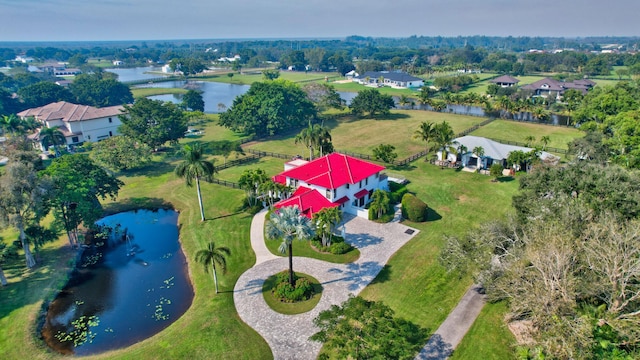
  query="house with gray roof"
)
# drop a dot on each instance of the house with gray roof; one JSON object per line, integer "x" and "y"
{"x": 552, "y": 87}
{"x": 78, "y": 123}
{"x": 494, "y": 152}
{"x": 389, "y": 78}
{"x": 505, "y": 81}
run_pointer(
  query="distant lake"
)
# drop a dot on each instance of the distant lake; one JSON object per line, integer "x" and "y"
{"x": 133, "y": 74}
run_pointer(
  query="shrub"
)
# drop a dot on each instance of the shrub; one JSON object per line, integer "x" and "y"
{"x": 303, "y": 289}
{"x": 340, "y": 248}
{"x": 413, "y": 208}
{"x": 396, "y": 192}
{"x": 337, "y": 247}
{"x": 496, "y": 170}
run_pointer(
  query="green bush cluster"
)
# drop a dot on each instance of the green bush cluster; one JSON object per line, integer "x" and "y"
{"x": 413, "y": 208}
{"x": 338, "y": 245}
{"x": 396, "y": 192}
{"x": 303, "y": 289}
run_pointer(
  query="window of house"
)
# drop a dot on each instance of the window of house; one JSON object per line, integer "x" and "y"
{"x": 347, "y": 186}
{"x": 360, "y": 184}
{"x": 335, "y": 192}
{"x": 110, "y": 120}
{"x": 88, "y": 137}
{"x": 110, "y": 133}
{"x": 366, "y": 181}
{"x": 74, "y": 139}
{"x": 377, "y": 175}
{"x": 328, "y": 194}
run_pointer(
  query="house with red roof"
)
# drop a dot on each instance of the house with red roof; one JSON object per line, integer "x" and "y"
{"x": 334, "y": 180}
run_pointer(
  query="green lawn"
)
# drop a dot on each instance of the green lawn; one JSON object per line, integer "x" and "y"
{"x": 253, "y": 75}
{"x": 355, "y": 87}
{"x": 271, "y": 166}
{"x": 560, "y": 136}
{"x": 362, "y": 135}
{"x": 304, "y": 249}
{"x": 144, "y": 92}
{"x": 489, "y": 338}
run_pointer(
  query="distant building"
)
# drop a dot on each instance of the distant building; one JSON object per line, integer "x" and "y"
{"x": 393, "y": 79}
{"x": 118, "y": 62}
{"x": 505, "y": 81}
{"x": 551, "y": 87}
{"x": 78, "y": 123}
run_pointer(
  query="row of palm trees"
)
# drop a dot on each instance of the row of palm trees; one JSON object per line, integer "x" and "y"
{"x": 439, "y": 135}
{"x": 315, "y": 137}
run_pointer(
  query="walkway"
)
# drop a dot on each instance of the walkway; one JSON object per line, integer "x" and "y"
{"x": 288, "y": 335}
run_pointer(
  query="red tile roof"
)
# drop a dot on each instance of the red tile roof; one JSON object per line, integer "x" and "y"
{"x": 307, "y": 200}
{"x": 331, "y": 171}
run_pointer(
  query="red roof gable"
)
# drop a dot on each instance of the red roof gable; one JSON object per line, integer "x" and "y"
{"x": 332, "y": 171}
{"x": 307, "y": 200}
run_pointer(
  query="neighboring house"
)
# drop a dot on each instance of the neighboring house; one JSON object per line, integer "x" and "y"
{"x": 393, "y": 79}
{"x": 351, "y": 74}
{"x": 334, "y": 180}
{"x": 494, "y": 152}
{"x": 78, "y": 123}
{"x": 167, "y": 69}
{"x": 118, "y": 62}
{"x": 67, "y": 72}
{"x": 505, "y": 81}
{"x": 548, "y": 86}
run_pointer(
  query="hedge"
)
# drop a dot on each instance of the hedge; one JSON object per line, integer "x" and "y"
{"x": 413, "y": 208}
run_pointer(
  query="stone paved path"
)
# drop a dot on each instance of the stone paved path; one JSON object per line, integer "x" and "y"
{"x": 288, "y": 335}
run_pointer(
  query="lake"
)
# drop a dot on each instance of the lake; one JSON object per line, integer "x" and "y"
{"x": 124, "y": 289}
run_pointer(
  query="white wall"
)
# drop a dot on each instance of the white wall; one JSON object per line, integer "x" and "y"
{"x": 96, "y": 129}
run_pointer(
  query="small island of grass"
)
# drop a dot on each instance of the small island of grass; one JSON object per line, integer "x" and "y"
{"x": 282, "y": 298}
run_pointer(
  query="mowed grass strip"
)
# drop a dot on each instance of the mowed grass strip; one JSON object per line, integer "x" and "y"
{"x": 363, "y": 135}
{"x": 144, "y": 92}
{"x": 559, "y": 136}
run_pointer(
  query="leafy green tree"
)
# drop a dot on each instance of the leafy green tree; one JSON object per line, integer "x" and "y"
{"x": 43, "y": 93}
{"x": 78, "y": 185}
{"x": 425, "y": 133}
{"x": 250, "y": 182}
{"x": 192, "y": 100}
{"x": 269, "y": 108}
{"x": 153, "y": 122}
{"x": 121, "y": 153}
{"x": 371, "y": 101}
{"x": 22, "y": 201}
{"x": 270, "y": 74}
{"x": 11, "y": 124}
{"x": 211, "y": 256}
{"x": 189, "y": 66}
{"x": 100, "y": 91}
{"x": 287, "y": 224}
{"x": 385, "y": 152}
{"x": 326, "y": 221}
{"x": 496, "y": 171}
{"x": 225, "y": 148}
{"x": 324, "y": 96}
{"x": 195, "y": 167}
{"x": 52, "y": 137}
{"x": 362, "y": 329}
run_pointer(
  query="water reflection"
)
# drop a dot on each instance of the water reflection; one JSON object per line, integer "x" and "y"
{"x": 128, "y": 289}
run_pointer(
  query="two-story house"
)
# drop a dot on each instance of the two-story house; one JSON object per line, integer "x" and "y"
{"x": 78, "y": 123}
{"x": 334, "y": 180}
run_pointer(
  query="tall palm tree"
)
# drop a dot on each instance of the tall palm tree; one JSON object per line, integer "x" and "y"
{"x": 287, "y": 224}
{"x": 313, "y": 136}
{"x": 425, "y": 133}
{"x": 479, "y": 151}
{"x": 326, "y": 221}
{"x": 545, "y": 140}
{"x": 211, "y": 256}
{"x": 530, "y": 139}
{"x": 52, "y": 137}
{"x": 443, "y": 137}
{"x": 195, "y": 167}
{"x": 379, "y": 202}
{"x": 306, "y": 137}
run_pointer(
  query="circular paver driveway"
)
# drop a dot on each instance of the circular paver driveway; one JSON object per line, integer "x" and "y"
{"x": 288, "y": 335}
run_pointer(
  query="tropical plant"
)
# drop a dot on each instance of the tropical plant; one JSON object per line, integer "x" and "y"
{"x": 211, "y": 256}
{"x": 385, "y": 152}
{"x": 380, "y": 202}
{"x": 545, "y": 140}
{"x": 443, "y": 138}
{"x": 195, "y": 167}
{"x": 496, "y": 171}
{"x": 313, "y": 137}
{"x": 11, "y": 124}
{"x": 52, "y": 137}
{"x": 326, "y": 220}
{"x": 287, "y": 223}
{"x": 425, "y": 133}
{"x": 530, "y": 139}
{"x": 479, "y": 151}
{"x": 250, "y": 182}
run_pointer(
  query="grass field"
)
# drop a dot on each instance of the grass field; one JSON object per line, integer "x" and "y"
{"x": 144, "y": 92}
{"x": 362, "y": 135}
{"x": 412, "y": 283}
{"x": 560, "y": 136}
{"x": 250, "y": 76}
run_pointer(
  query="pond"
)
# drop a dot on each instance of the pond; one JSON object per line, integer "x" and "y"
{"x": 123, "y": 290}
{"x": 135, "y": 74}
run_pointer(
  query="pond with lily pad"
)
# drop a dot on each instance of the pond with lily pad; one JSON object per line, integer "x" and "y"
{"x": 130, "y": 283}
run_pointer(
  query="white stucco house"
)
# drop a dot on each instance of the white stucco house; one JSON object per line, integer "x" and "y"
{"x": 388, "y": 78}
{"x": 334, "y": 180}
{"x": 78, "y": 123}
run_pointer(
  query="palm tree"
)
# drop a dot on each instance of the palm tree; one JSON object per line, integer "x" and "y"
{"x": 425, "y": 133}
{"x": 530, "y": 140}
{"x": 545, "y": 140}
{"x": 326, "y": 221}
{"x": 379, "y": 202}
{"x": 195, "y": 167}
{"x": 211, "y": 256}
{"x": 287, "y": 224}
{"x": 11, "y": 123}
{"x": 443, "y": 137}
{"x": 306, "y": 137}
{"x": 314, "y": 136}
{"x": 404, "y": 100}
{"x": 479, "y": 151}
{"x": 51, "y": 137}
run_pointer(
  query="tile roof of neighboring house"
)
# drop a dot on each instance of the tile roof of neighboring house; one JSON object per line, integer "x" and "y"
{"x": 69, "y": 112}
{"x": 560, "y": 86}
{"x": 393, "y": 76}
{"x": 307, "y": 200}
{"x": 36, "y": 136}
{"x": 505, "y": 79}
{"x": 331, "y": 171}
{"x": 494, "y": 149}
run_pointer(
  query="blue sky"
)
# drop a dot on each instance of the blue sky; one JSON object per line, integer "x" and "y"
{"x": 81, "y": 20}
